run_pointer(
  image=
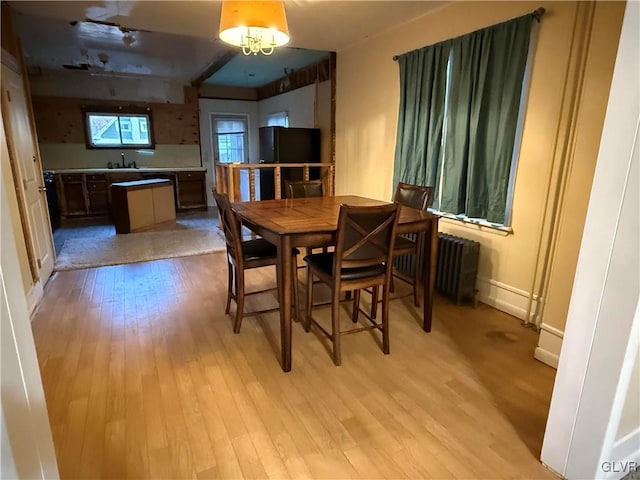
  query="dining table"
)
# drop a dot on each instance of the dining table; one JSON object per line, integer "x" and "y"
{"x": 312, "y": 222}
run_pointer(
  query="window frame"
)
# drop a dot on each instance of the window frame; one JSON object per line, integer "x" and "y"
{"x": 213, "y": 135}
{"x": 130, "y": 111}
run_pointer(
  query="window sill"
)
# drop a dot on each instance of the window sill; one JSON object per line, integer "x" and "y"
{"x": 477, "y": 225}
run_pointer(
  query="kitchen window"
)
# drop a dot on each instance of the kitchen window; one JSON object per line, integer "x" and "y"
{"x": 106, "y": 129}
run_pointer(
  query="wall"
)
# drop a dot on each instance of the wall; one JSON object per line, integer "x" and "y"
{"x": 579, "y": 161}
{"x": 366, "y": 120}
{"x": 307, "y": 107}
{"x": 46, "y": 83}
{"x": 595, "y": 374}
{"x": 60, "y": 127}
{"x": 75, "y": 155}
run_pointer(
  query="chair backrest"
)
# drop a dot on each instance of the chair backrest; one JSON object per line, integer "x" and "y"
{"x": 414, "y": 196}
{"x": 365, "y": 236}
{"x": 304, "y": 189}
{"x": 230, "y": 225}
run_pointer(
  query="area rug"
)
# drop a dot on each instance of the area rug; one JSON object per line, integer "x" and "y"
{"x": 137, "y": 247}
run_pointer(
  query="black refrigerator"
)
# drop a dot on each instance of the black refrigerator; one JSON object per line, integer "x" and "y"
{"x": 287, "y": 145}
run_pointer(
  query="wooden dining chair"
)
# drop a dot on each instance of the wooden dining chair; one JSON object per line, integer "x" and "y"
{"x": 245, "y": 255}
{"x": 362, "y": 259}
{"x": 418, "y": 197}
{"x": 304, "y": 189}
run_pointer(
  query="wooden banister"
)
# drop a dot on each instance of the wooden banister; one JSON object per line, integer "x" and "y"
{"x": 228, "y": 178}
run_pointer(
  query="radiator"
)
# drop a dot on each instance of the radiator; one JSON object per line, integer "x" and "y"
{"x": 456, "y": 267}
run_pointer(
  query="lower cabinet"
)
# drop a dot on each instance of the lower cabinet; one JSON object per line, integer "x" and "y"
{"x": 191, "y": 190}
{"x": 71, "y": 194}
{"x": 98, "y": 192}
{"x": 83, "y": 194}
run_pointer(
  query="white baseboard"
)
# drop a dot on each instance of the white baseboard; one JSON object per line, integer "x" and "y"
{"x": 625, "y": 457}
{"x": 549, "y": 345}
{"x": 34, "y": 295}
{"x": 506, "y": 298}
{"x": 515, "y": 302}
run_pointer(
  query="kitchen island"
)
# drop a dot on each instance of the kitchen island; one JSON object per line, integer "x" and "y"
{"x": 141, "y": 204}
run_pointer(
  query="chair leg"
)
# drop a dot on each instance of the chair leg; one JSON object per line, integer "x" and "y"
{"x": 356, "y": 306}
{"x": 374, "y": 301}
{"x": 230, "y": 269}
{"x": 307, "y": 316}
{"x": 239, "y": 300}
{"x": 335, "y": 326}
{"x": 385, "y": 320}
{"x": 417, "y": 270}
{"x": 296, "y": 296}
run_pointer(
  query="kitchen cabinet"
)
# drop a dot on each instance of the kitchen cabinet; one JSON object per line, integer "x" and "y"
{"x": 90, "y": 194}
{"x": 98, "y": 193}
{"x": 191, "y": 190}
{"x": 72, "y": 194}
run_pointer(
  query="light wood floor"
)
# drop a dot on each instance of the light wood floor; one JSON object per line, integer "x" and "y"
{"x": 145, "y": 379}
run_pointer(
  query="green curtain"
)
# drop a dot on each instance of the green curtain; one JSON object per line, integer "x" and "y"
{"x": 487, "y": 70}
{"x": 423, "y": 78}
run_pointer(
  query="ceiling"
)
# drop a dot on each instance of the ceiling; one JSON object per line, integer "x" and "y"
{"x": 178, "y": 39}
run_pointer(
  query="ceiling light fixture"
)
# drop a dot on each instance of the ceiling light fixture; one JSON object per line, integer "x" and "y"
{"x": 257, "y": 27}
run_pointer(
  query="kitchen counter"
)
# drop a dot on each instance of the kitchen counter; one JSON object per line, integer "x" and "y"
{"x": 133, "y": 170}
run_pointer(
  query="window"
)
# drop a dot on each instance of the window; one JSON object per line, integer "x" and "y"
{"x": 229, "y": 135}
{"x": 460, "y": 120}
{"x": 280, "y": 119}
{"x": 118, "y": 130}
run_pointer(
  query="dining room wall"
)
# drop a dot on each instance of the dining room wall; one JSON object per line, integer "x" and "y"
{"x": 575, "y": 46}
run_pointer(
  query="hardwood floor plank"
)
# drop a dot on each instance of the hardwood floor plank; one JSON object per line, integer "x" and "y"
{"x": 144, "y": 378}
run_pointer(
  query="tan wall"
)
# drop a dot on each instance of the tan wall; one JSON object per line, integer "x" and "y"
{"x": 366, "y": 120}
{"x": 581, "y": 160}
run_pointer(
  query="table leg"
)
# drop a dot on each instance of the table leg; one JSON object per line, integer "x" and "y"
{"x": 429, "y": 259}
{"x": 284, "y": 282}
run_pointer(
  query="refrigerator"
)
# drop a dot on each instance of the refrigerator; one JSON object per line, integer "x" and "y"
{"x": 287, "y": 145}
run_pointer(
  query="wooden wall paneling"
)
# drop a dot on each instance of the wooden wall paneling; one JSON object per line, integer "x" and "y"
{"x": 60, "y": 120}
{"x": 176, "y": 124}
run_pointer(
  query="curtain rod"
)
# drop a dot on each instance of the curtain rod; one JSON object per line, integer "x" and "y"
{"x": 537, "y": 14}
